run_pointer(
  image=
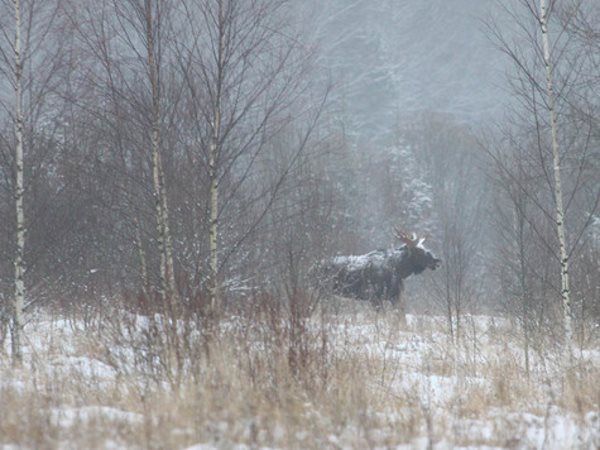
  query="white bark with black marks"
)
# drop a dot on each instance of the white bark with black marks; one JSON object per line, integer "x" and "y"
{"x": 142, "y": 256}
{"x": 558, "y": 193}
{"x": 213, "y": 162}
{"x": 19, "y": 299}
{"x": 167, "y": 287}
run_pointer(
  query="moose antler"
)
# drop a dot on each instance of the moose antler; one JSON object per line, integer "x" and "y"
{"x": 410, "y": 241}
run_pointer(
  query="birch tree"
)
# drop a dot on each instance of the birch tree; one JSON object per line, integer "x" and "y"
{"x": 19, "y": 299}
{"x": 565, "y": 291}
{"x": 165, "y": 245}
{"x": 547, "y": 80}
{"x": 244, "y": 67}
{"x": 127, "y": 43}
{"x": 28, "y": 62}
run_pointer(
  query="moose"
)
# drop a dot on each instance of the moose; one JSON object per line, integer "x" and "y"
{"x": 378, "y": 275}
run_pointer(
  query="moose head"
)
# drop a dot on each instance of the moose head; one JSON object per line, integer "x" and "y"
{"x": 417, "y": 257}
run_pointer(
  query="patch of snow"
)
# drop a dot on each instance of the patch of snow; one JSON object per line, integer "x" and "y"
{"x": 84, "y": 366}
{"x": 13, "y": 384}
{"x": 558, "y": 430}
{"x": 232, "y": 447}
{"x": 201, "y": 447}
{"x": 479, "y": 447}
{"x": 359, "y": 262}
{"x": 592, "y": 356}
{"x": 68, "y": 417}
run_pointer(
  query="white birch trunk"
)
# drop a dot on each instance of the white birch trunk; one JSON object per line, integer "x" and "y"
{"x": 19, "y": 299}
{"x": 169, "y": 264}
{"x": 162, "y": 288}
{"x": 558, "y": 195}
{"x": 142, "y": 256}
{"x": 167, "y": 276}
{"x": 214, "y": 228}
{"x": 213, "y": 170}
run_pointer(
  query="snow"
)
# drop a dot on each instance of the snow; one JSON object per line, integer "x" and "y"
{"x": 68, "y": 417}
{"x": 84, "y": 366}
{"x": 360, "y": 262}
{"x": 234, "y": 447}
{"x": 410, "y": 357}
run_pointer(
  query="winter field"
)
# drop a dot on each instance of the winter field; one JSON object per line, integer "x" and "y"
{"x": 268, "y": 378}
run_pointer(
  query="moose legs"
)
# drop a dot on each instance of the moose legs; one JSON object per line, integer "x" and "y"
{"x": 399, "y": 303}
{"x": 400, "y": 307}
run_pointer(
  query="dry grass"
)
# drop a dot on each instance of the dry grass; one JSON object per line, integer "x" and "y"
{"x": 265, "y": 379}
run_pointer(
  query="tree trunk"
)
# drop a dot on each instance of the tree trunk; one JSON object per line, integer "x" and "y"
{"x": 558, "y": 195}
{"x": 523, "y": 283}
{"x": 162, "y": 287}
{"x": 142, "y": 256}
{"x": 167, "y": 288}
{"x": 170, "y": 266}
{"x": 19, "y": 299}
{"x": 214, "y": 228}
{"x": 215, "y": 146}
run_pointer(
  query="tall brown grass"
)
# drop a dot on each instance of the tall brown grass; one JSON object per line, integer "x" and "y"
{"x": 272, "y": 374}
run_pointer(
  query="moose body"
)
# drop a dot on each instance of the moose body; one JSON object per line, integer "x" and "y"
{"x": 376, "y": 276}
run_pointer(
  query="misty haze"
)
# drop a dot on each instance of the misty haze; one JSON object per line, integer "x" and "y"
{"x": 299, "y": 224}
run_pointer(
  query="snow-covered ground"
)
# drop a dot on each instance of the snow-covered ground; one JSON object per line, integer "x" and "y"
{"x": 83, "y": 386}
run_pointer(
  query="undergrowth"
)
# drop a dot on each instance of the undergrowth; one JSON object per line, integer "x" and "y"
{"x": 281, "y": 375}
